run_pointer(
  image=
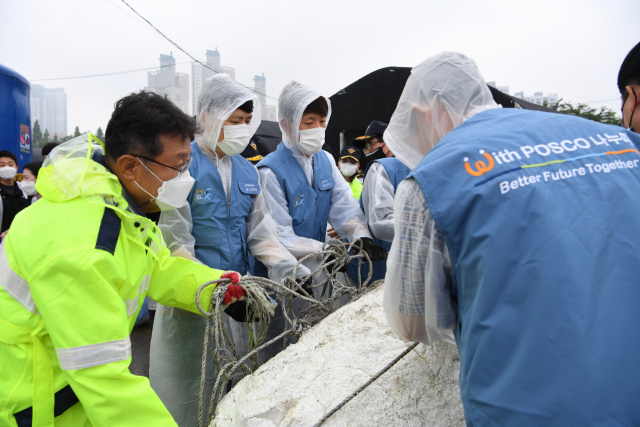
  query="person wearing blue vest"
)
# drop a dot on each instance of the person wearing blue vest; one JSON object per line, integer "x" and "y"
{"x": 305, "y": 189}
{"x": 381, "y": 181}
{"x": 517, "y": 233}
{"x": 225, "y": 222}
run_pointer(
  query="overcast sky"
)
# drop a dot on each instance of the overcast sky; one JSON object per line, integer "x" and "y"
{"x": 573, "y": 48}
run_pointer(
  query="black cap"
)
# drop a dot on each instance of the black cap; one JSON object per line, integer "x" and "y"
{"x": 351, "y": 152}
{"x": 251, "y": 152}
{"x": 375, "y": 128}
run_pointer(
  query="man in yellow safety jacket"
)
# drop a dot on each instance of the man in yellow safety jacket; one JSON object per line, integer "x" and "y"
{"x": 76, "y": 266}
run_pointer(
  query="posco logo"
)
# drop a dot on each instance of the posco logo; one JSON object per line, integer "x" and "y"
{"x": 480, "y": 167}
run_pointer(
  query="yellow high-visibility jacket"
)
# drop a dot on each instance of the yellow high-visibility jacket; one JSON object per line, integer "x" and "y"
{"x": 74, "y": 270}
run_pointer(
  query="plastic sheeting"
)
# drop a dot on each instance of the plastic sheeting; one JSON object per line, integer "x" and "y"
{"x": 377, "y": 199}
{"x": 417, "y": 300}
{"x": 219, "y": 98}
{"x": 441, "y": 93}
{"x": 336, "y": 357}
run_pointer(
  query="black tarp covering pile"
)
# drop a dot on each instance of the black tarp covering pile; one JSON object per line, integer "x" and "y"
{"x": 373, "y": 97}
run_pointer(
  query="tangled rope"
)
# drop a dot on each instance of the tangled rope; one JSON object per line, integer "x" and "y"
{"x": 264, "y": 295}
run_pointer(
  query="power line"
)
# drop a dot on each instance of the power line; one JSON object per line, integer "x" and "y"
{"x": 109, "y": 74}
{"x": 187, "y": 53}
{"x": 602, "y": 100}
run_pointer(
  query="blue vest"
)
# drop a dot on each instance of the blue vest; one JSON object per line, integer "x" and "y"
{"x": 540, "y": 216}
{"x": 308, "y": 206}
{"x": 397, "y": 171}
{"x": 219, "y": 227}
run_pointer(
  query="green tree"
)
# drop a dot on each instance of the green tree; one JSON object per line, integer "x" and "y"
{"x": 36, "y": 134}
{"x": 100, "y": 134}
{"x": 602, "y": 115}
{"x": 55, "y": 137}
{"x": 45, "y": 138}
{"x": 66, "y": 138}
{"x": 76, "y": 132}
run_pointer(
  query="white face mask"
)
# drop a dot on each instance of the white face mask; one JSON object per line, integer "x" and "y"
{"x": 173, "y": 193}
{"x": 29, "y": 187}
{"x": 311, "y": 140}
{"x": 7, "y": 172}
{"x": 236, "y": 139}
{"x": 348, "y": 169}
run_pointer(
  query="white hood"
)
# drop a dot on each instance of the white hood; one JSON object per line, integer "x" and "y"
{"x": 219, "y": 98}
{"x": 441, "y": 93}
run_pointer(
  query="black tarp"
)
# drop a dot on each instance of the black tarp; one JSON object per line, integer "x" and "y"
{"x": 375, "y": 96}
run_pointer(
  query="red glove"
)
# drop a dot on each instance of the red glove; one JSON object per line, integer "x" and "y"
{"x": 234, "y": 292}
{"x": 234, "y": 276}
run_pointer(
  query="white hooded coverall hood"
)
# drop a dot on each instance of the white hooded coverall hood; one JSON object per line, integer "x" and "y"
{"x": 441, "y": 93}
{"x": 220, "y": 97}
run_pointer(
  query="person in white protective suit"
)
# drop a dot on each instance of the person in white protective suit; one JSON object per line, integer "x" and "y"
{"x": 305, "y": 189}
{"x": 410, "y": 137}
{"x": 225, "y": 222}
{"x": 537, "y": 283}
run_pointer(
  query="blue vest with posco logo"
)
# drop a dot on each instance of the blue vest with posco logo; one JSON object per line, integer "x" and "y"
{"x": 397, "y": 171}
{"x": 219, "y": 227}
{"x": 540, "y": 215}
{"x": 308, "y": 206}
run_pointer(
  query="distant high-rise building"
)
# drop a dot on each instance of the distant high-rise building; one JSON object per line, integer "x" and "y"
{"x": 270, "y": 113}
{"x": 260, "y": 88}
{"x": 200, "y": 74}
{"x": 539, "y": 98}
{"x": 167, "y": 82}
{"x": 230, "y": 71}
{"x": 49, "y": 107}
{"x": 503, "y": 89}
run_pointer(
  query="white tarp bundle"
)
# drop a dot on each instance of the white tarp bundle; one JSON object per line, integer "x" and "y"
{"x": 333, "y": 359}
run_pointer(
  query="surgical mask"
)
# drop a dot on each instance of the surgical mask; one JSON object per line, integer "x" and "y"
{"x": 621, "y": 110}
{"x": 174, "y": 192}
{"x": 348, "y": 169}
{"x": 29, "y": 187}
{"x": 236, "y": 139}
{"x": 8, "y": 172}
{"x": 311, "y": 140}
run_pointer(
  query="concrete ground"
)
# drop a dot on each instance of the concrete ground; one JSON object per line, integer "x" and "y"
{"x": 140, "y": 342}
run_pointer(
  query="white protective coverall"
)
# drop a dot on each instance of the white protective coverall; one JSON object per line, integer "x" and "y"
{"x": 441, "y": 93}
{"x": 177, "y": 341}
{"x": 345, "y": 214}
{"x": 377, "y": 199}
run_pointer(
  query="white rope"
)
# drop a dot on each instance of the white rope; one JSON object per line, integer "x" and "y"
{"x": 262, "y": 295}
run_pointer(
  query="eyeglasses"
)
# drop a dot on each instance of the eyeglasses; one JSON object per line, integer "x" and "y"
{"x": 182, "y": 169}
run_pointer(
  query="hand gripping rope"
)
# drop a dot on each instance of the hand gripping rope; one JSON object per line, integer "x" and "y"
{"x": 263, "y": 294}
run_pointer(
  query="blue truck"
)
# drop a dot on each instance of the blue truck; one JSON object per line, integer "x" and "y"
{"x": 15, "y": 116}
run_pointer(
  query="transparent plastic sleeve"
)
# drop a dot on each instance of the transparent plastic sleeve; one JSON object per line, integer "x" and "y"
{"x": 377, "y": 199}
{"x": 417, "y": 287}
